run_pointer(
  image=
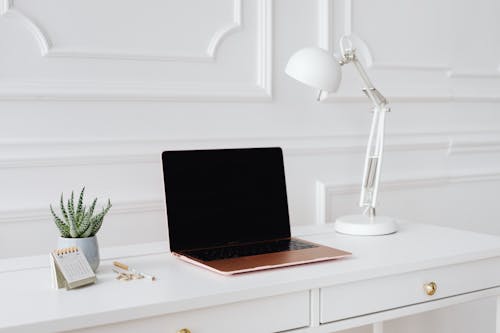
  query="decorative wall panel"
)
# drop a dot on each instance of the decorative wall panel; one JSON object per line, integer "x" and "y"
{"x": 155, "y": 50}
{"x": 415, "y": 44}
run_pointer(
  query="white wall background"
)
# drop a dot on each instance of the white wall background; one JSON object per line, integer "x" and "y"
{"x": 91, "y": 92}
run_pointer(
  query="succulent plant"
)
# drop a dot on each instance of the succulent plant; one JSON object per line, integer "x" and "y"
{"x": 79, "y": 221}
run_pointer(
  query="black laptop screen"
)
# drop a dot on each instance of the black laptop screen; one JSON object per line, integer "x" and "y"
{"x": 224, "y": 196}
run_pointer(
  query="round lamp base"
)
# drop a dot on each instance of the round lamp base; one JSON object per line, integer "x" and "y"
{"x": 363, "y": 225}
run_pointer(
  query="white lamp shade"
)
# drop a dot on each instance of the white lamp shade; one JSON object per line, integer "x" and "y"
{"x": 315, "y": 67}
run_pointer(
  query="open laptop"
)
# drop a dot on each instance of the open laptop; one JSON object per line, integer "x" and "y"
{"x": 227, "y": 211}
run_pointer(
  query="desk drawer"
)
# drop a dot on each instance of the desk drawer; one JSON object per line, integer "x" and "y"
{"x": 271, "y": 314}
{"x": 369, "y": 296}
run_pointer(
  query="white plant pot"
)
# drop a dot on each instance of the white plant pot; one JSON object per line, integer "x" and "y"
{"x": 88, "y": 246}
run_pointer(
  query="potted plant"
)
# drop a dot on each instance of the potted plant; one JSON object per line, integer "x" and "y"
{"x": 78, "y": 226}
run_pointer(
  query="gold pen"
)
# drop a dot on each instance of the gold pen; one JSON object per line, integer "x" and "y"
{"x": 127, "y": 268}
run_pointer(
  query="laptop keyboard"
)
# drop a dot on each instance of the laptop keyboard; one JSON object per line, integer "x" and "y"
{"x": 238, "y": 251}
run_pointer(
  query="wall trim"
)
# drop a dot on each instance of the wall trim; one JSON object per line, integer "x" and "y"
{"x": 48, "y": 49}
{"x": 321, "y": 200}
{"x": 42, "y": 215}
{"x": 325, "y": 25}
{"x": 43, "y": 42}
{"x": 29, "y": 153}
{"x": 66, "y": 152}
{"x": 424, "y": 98}
{"x": 326, "y": 16}
{"x": 325, "y": 28}
{"x": 71, "y": 161}
{"x": 475, "y": 147}
{"x": 324, "y": 190}
{"x": 265, "y": 46}
{"x": 64, "y": 90}
{"x": 471, "y": 74}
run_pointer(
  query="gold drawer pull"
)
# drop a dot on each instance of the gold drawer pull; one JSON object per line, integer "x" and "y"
{"x": 183, "y": 330}
{"x": 430, "y": 288}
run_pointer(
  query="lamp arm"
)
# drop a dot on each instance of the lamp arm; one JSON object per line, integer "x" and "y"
{"x": 371, "y": 92}
{"x": 375, "y": 147}
{"x": 373, "y": 163}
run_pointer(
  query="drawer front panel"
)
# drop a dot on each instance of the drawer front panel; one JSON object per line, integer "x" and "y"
{"x": 369, "y": 296}
{"x": 271, "y": 314}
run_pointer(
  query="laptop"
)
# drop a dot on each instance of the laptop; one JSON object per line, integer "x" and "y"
{"x": 227, "y": 211}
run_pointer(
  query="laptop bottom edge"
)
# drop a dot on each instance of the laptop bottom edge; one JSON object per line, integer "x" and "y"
{"x": 267, "y": 261}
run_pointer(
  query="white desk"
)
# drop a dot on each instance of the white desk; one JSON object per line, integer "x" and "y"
{"x": 383, "y": 280}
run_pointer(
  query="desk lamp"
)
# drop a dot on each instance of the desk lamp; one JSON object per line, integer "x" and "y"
{"x": 317, "y": 68}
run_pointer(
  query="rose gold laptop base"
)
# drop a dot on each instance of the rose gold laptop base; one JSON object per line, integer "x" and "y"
{"x": 269, "y": 260}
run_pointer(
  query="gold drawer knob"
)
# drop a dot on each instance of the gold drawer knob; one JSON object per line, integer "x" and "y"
{"x": 430, "y": 288}
{"x": 183, "y": 330}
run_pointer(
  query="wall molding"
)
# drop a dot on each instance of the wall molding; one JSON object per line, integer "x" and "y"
{"x": 28, "y": 153}
{"x": 265, "y": 46}
{"x": 66, "y": 90}
{"x": 67, "y": 152}
{"x": 326, "y": 13}
{"x": 477, "y": 74}
{"x": 325, "y": 190}
{"x": 475, "y": 147}
{"x": 43, "y": 42}
{"x": 417, "y": 98}
{"x": 326, "y": 17}
{"x": 48, "y": 49}
{"x": 69, "y": 90}
{"x": 42, "y": 215}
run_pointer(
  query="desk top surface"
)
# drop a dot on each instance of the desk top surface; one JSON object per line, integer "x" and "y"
{"x": 27, "y": 300}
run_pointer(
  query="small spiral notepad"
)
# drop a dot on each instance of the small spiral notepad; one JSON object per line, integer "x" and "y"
{"x": 70, "y": 269}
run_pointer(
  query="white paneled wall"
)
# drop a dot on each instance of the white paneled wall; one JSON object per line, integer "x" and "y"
{"x": 91, "y": 92}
